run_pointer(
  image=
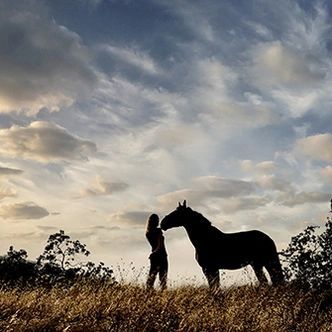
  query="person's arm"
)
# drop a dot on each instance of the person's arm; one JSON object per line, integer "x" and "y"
{"x": 160, "y": 244}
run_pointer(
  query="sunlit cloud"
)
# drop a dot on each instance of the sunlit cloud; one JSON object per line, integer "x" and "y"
{"x": 44, "y": 142}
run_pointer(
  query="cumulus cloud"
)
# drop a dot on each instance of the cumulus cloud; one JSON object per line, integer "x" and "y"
{"x": 23, "y": 210}
{"x": 102, "y": 187}
{"x": 131, "y": 218}
{"x": 44, "y": 142}
{"x": 316, "y": 147}
{"x": 42, "y": 64}
{"x": 9, "y": 171}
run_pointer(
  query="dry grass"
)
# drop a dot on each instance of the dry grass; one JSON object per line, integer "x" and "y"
{"x": 126, "y": 307}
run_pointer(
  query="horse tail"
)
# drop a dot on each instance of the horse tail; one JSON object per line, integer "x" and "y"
{"x": 274, "y": 268}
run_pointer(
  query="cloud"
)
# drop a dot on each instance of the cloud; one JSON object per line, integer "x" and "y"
{"x": 44, "y": 142}
{"x": 42, "y": 64}
{"x": 213, "y": 97}
{"x": 264, "y": 167}
{"x": 9, "y": 171}
{"x": 133, "y": 57}
{"x": 206, "y": 188}
{"x": 326, "y": 174}
{"x": 102, "y": 187}
{"x": 132, "y": 218}
{"x": 169, "y": 201}
{"x": 294, "y": 68}
{"x": 285, "y": 65}
{"x": 221, "y": 187}
{"x": 23, "y": 210}
{"x": 235, "y": 204}
{"x": 316, "y": 147}
{"x": 7, "y": 192}
{"x": 292, "y": 199}
{"x": 273, "y": 183}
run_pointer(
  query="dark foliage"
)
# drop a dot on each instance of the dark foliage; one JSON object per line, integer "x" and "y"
{"x": 308, "y": 258}
{"x": 15, "y": 268}
{"x": 59, "y": 264}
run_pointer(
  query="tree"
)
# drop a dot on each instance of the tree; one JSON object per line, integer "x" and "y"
{"x": 308, "y": 258}
{"x": 60, "y": 263}
{"x": 62, "y": 252}
{"x": 61, "y": 260}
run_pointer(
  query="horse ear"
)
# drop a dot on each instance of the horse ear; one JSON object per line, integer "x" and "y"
{"x": 184, "y": 203}
{"x": 179, "y": 204}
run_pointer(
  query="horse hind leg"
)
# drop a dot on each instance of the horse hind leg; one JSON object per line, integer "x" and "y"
{"x": 258, "y": 269}
{"x": 213, "y": 278}
{"x": 275, "y": 271}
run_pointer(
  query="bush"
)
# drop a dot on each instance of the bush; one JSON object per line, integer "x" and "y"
{"x": 308, "y": 258}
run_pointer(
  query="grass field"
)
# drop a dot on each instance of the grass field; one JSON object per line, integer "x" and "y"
{"x": 127, "y": 307}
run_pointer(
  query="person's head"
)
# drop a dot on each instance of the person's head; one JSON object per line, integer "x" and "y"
{"x": 153, "y": 222}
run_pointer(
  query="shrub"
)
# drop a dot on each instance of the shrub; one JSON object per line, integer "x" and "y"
{"x": 308, "y": 258}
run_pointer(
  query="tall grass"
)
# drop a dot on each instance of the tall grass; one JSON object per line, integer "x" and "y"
{"x": 128, "y": 307}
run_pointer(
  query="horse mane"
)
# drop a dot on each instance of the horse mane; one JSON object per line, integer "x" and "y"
{"x": 199, "y": 218}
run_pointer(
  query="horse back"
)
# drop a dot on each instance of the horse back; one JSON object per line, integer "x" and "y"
{"x": 235, "y": 250}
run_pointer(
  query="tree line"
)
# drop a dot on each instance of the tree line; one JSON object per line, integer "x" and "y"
{"x": 59, "y": 264}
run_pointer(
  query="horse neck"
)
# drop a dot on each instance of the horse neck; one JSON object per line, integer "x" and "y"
{"x": 197, "y": 233}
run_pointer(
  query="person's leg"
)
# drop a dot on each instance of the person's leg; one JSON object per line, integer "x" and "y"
{"x": 152, "y": 274}
{"x": 163, "y": 270}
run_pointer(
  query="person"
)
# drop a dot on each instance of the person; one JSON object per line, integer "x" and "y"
{"x": 158, "y": 257}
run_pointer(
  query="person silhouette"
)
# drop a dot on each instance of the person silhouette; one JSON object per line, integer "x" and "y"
{"x": 158, "y": 256}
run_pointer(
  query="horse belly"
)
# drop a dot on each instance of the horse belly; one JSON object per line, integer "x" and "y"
{"x": 229, "y": 261}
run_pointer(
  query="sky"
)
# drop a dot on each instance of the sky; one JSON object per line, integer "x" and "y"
{"x": 111, "y": 110}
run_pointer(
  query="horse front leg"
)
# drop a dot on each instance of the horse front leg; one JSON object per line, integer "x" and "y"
{"x": 213, "y": 278}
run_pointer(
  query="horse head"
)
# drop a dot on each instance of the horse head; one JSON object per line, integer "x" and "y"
{"x": 176, "y": 218}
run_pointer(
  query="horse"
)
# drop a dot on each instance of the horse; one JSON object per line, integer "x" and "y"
{"x": 217, "y": 250}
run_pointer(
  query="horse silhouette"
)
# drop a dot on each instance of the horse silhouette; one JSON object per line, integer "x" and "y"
{"x": 217, "y": 250}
